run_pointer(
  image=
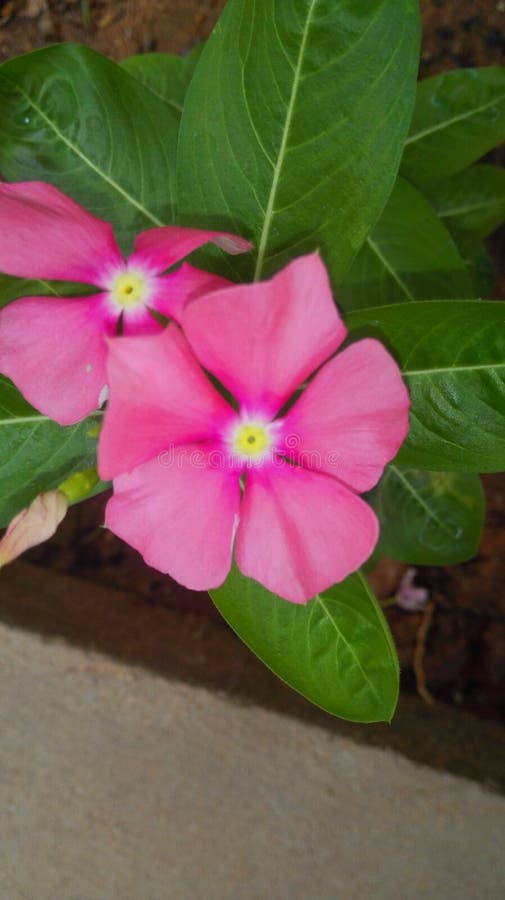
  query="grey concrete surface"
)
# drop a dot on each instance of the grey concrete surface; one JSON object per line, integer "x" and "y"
{"x": 118, "y": 784}
{"x": 133, "y": 628}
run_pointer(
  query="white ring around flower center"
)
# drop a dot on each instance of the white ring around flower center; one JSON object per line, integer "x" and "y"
{"x": 251, "y": 440}
{"x": 129, "y": 289}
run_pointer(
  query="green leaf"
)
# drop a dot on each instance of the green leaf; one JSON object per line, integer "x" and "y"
{"x": 167, "y": 76}
{"x": 429, "y": 518}
{"x": 294, "y": 123}
{"x": 36, "y": 454}
{"x": 482, "y": 271}
{"x": 458, "y": 117}
{"x": 336, "y": 651}
{"x": 74, "y": 118}
{"x": 452, "y": 355}
{"x": 471, "y": 204}
{"x": 409, "y": 255}
{"x": 12, "y": 288}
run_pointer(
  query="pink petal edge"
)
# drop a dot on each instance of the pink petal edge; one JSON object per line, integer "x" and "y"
{"x": 46, "y": 235}
{"x": 160, "y": 248}
{"x": 263, "y": 340}
{"x": 352, "y": 417}
{"x": 53, "y": 349}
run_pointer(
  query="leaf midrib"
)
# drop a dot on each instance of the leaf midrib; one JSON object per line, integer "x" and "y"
{"x": 448, "y": 370}
{"x": 476, "y": 207}
{"x": 349, "y": 646}
{"x": 436, "y": 370}
{"x": 85, "y": 159}
{"x": 168, "y": 101}
{"x": 24, "y": 420}
{"x": 282, "y": 149}
{"x": 394, "y": 470}
{"x": 39, "y": 419}
{"x": 440, "y": 126}
{"x": 389, "y": 268}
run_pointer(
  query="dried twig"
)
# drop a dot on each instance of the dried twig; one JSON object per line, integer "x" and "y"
{"x": 419, "y": 651}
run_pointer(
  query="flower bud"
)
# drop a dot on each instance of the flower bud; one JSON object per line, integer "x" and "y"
{"x": 33, "y": 525}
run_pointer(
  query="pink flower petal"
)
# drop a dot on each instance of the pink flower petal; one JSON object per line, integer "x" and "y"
{"x": 139, "y": 321}
{"x": 160, "y": 248}
{"x": 54, "y": 351}
{"x": 159, "y": 398}
{"x": 171, "y": 292}
{"x": 180, "y": 517}
{"x": 300, "y": 531}
{"x": 46, "y": 235}
{"x": 352, "y": 418}
{"x": 262, "y": 340}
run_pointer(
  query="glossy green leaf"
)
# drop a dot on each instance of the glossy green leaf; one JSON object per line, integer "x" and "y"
{"x": 428, "y": 518}
{"x": 167, "y": 76}
{"x": 294, "y": 123}
{"x": 74, "y": 118}
{"x": 458, "y": 117}
{"x": 409, "y": 255}
{"x": 452, "y": 354}
{"x": 336, "y": 651}
{"x": 37, "y": 454}
{"x": 471, "y": 204}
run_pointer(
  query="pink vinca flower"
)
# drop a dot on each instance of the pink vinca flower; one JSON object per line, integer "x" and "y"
{"x": 298, "y": 526}
{"x": 54, "y": 349}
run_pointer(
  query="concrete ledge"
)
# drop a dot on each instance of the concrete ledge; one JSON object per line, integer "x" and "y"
{"x": 119, "y": 784}
{"x": 193, "y": 649}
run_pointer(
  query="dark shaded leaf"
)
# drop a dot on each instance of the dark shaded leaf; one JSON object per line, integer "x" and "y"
{"x": 458, "y": 117}
{"x": 428, "y": 518}
{"x": 409, "y": 255}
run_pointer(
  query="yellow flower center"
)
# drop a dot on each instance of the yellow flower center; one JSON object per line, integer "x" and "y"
{"x": 251, "y": 440}
{"x": 128, "y": 289}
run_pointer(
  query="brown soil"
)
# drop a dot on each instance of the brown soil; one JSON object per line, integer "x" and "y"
{"x": 456, "y": 32}
{"x": 117, "y": 28}
{"x": 455, "y": 648}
